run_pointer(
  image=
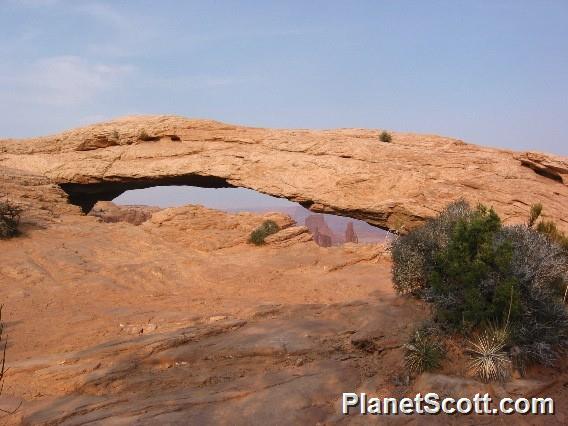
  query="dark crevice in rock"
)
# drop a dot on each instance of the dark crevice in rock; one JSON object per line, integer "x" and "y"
{"x": 87, "y": 195}
{"x": 542, "y": 171}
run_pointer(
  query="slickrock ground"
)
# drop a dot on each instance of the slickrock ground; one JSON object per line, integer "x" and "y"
{"x": 177, "y": 320}
{"x": 344, "y": 171}
{"x": 87, "y": 299}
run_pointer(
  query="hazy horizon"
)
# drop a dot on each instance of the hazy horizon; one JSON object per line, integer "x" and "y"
{"x": 241, "y": 200}
{"x": 488, "y": 72}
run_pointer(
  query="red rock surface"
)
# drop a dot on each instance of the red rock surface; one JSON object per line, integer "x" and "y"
{"x": 348, "y": 172}
{"x": 178, "y": 320}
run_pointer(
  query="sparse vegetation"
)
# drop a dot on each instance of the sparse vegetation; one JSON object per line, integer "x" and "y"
{"x": 547, "y": 227}
{"x": 144, "y": 136}
{"x": 385, "y": 136}
{"x": 267, "y": 228}
{"x": 488, "y": 360}
{"x": 9, "y": 219}
{"x": 424, "y": 351}
{"x": 534, "y": 214}
{"x": 476, "y": 271}
{"x": 414, "y": 254}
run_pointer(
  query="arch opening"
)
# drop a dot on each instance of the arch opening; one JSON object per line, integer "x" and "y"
{"x": 87, "y": 195}
{"x": 326, "y": 229}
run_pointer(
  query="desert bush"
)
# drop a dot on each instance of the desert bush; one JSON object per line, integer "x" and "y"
{"x": 541, "y": 269}
{"x": 267, "y": 228}
{"x": 488, "y": 359}
{"x": 414, "y": 254}
{"x": 471, "y": 280}
{"x": 385, "y": 136}
{"x": 547, "y": 227}
{"x": 476, "y": 271}
{"x": 9, "y": 219}
{"x": 424, "y": 351}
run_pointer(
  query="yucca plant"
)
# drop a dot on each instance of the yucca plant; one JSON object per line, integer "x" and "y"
{"x": 423, "y": 353}
{"x": 489, "y": 362}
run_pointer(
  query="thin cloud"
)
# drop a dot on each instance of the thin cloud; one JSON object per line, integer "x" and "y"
{"x": 105, "y": 14}
{"x": 35, "y": 3}
{"x": 61, "y": 81}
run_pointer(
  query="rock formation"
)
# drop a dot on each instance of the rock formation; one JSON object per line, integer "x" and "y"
{"x": 322, "y": 234}
{"x": 350, "y": 235}
{"x": 111, "y": 213}
{"x": 348, "y": 172}
{"x": 179, "y": 320}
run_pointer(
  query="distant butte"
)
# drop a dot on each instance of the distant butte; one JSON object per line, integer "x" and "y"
{"x": 349, "y": 172}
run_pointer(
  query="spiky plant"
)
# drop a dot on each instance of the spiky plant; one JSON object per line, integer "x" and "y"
{"x": 489, "y": 362}
{"x": 423, "y": 353}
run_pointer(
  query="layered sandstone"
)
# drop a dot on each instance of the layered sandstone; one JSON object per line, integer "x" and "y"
{"x": 348, "y": 172}
{"x": 179, "y": 319}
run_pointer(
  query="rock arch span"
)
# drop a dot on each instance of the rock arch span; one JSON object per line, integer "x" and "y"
{"x": 346, "y": 172}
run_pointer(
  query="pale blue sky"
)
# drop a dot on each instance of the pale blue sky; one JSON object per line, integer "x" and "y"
{"x": 491, "y": 72}
{"x": 221, "y": 198}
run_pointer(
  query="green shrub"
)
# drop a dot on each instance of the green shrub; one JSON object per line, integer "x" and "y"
{"x": 472, "y": 280}
{"x": 385, "y": 136}
{"x": 9, "y": 219}
{"x": 267, "y": 228}
{"x": 424, "y": 351}
{"x": 476, "y": 271}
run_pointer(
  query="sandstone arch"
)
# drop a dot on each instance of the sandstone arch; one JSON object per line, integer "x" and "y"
{"x": 344, "y": 171}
